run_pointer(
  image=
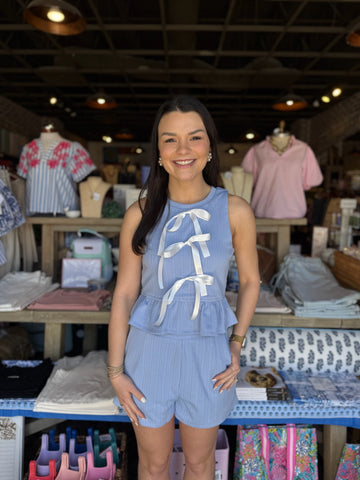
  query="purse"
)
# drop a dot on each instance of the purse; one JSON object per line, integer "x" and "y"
{"x": 276, "y": 453}
{"x": 349, "y": 465}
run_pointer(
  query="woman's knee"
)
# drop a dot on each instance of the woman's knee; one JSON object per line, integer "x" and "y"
{"x": 155, "y": 466}
{"x": 200, "y": 465}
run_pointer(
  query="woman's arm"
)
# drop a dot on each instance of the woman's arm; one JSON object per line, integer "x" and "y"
{"x": 125, "y": 294}
{"x": 243, "y": 228}
{"x": 243, "y": 231}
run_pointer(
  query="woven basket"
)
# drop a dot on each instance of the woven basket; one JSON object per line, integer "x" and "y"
{"x": 347, "y": 270}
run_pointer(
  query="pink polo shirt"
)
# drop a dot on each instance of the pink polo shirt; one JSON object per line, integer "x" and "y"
{"x": 280, "y": 180}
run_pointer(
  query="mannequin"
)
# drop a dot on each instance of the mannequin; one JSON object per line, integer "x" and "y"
{"x": 52, "y": 166}
{"x": 283, "y": 168}
{"x": 280, "y": 140}
{"x": 92, "y": 194}
{"x": 49, "y": 136}
{"x": 111, "y": 173}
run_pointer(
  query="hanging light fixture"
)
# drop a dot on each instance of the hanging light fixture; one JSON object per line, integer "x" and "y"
{"x": 101, "y": 101}
{"x": 289, "y": 103}
{"x": 54, "y": 16}
{"x": 124, "y": 134}
{"x": 249, "y": 135}
{"x": 231, "y": 150}
{"x": 353, "y": 38}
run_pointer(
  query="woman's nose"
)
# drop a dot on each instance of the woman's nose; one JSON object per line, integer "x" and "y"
{"x": 183, "y": 146}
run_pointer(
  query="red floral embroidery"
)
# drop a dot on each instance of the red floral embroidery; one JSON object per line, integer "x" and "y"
{"x": 53, "y": 163}
{"x": 34, "y": 162}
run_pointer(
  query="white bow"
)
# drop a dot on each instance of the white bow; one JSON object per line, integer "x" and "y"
{"x": 200, "y": 282}
{"x": 173, "y": 249}
{"x": 194, "y": 214}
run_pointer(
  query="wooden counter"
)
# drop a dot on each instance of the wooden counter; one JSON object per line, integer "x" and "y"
{"x": 56, "y": 320}
{"x": 53, "y": 228}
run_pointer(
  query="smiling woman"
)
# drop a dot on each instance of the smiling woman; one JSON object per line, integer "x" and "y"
{"x": 184, "y": 148}
{"x": 175, "y": 247}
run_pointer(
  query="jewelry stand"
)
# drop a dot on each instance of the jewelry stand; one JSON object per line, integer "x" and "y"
{"x": 92, "y": 194}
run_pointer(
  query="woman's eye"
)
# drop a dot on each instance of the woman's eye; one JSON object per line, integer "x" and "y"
{"x": 168, "y": 140}
{"x": 196, "y": 138}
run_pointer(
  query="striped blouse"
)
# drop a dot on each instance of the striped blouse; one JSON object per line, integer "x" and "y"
{"x": 51, "y": 176}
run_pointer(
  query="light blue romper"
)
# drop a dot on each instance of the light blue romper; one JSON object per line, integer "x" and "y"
{"x": 178, "y": 336}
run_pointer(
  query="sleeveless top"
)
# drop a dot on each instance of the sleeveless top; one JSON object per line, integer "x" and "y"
{"x": 185, "y": 265}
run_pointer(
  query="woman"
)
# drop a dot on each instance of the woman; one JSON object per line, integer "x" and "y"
{"x": 176, "y": 360}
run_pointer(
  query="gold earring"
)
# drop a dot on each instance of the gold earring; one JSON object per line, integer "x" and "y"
{"x": 160, "y": 162}
{"x": 209, "y": 157}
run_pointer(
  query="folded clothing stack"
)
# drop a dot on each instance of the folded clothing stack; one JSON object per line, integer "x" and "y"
{"x": 78, "y": 385}
{"x": 309, "y": 288}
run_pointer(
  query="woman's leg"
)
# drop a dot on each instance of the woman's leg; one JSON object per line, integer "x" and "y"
{"x": 154, "y": 447}
{"x": 199, "y": 446}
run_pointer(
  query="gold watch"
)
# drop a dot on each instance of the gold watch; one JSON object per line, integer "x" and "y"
{"x": 238, "y": 338}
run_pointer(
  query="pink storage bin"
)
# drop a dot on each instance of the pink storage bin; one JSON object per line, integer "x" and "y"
{"x": 177, "y": 460}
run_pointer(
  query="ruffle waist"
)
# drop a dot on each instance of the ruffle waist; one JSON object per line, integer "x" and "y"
{"x": 214, "y": 317}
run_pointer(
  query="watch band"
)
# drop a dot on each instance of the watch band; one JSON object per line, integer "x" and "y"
{"x": 238, "y": 338}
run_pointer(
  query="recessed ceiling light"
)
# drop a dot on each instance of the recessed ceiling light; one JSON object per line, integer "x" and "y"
{"x": 336, "y": 92}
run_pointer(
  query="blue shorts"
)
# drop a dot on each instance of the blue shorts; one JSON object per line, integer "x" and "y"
{"x": 175, "y": 376}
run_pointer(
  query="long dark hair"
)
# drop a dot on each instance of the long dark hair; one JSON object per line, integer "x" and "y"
{"x": 157, "y": 181}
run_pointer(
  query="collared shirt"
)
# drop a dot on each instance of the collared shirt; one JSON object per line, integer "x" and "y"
{"x": 280, "y": 180}
{"x": 51, "y": 176}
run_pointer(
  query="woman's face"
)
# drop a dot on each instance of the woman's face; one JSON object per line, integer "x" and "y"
{"x": 183, "y": 144}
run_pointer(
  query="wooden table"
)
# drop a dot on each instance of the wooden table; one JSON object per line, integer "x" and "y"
{"x": 53, "y": 228}
{"x": 52, "y": 233}
{"x": 281, "y": 229}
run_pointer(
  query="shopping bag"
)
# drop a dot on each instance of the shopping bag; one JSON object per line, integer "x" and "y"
{"x": 349, "y": 465}
{"x": 276, "y": 453}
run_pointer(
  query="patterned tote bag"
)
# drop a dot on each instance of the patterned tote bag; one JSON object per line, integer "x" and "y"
{"x": 349, "y": 465}
{"x": 276, "y": 453}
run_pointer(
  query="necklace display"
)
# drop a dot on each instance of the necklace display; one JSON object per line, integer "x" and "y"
{"x": 94, "y": 195}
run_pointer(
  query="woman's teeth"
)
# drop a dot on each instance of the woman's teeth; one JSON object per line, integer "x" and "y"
{"x": 183, "y": 162}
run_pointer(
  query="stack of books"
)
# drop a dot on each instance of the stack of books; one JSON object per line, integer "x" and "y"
{"x": 260, "y": 383}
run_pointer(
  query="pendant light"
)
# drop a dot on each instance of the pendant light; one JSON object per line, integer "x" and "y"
{"x": 353, "y": 38}
{"x": 101, "y": 101}
{"x": 289, "y": 103}
{"x": 54, "y": 16}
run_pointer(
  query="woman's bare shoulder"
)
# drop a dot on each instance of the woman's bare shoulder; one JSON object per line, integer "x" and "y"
{"x": 239, "y": 206}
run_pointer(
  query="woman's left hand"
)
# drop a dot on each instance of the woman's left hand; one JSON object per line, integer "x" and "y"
{"x": 227, "y": 379}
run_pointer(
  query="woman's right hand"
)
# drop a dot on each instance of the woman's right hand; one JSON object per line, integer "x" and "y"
{"x": 125, "y": 390}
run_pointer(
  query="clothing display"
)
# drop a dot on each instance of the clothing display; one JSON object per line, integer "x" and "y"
{"x": 78, "y": 385}
{"x": 51, "y": 175}
{"x": 19, "y": 289}
{"x": 11, "y": 217}
{"x": 267, "y": 302}
{"x": 280, "y": 178}
{"x": 309, "y": 288}
{"x": 67, "y": 299}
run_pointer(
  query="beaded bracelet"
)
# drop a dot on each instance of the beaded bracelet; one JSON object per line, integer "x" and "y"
{"x": 114, "y": 371}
